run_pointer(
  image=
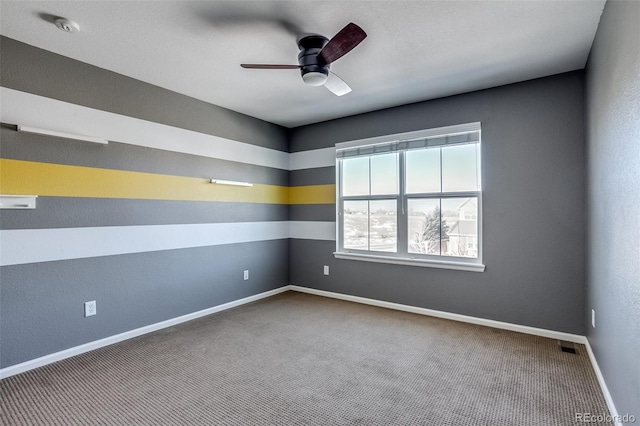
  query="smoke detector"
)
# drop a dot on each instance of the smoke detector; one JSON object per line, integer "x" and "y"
{"x": 66, "y": 25}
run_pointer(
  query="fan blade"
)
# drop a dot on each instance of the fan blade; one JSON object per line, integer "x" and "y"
{"x": 336, "y": 85}
{"x": 270, "y": 67}
{"x": 342, "y": 43}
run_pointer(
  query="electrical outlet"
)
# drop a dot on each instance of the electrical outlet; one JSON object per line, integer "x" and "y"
{"x": 90, "y": 308}
{"x": 246, "y": 274}
{"x": 326, "y": 270}
{"x": 593, "y": 318}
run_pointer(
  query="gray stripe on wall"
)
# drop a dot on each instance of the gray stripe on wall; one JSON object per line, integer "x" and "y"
{"x": 30, "y": 69}
{"x": 316, "y": 176}
{"x": 131, "y": 291}
{"x": 313, "y": 212}
{"x": 119, "y": 156}
{"x": 71, "y": 212}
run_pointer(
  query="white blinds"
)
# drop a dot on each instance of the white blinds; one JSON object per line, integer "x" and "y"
{"x": 460, "y": 138}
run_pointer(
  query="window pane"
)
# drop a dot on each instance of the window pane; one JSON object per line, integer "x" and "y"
{"x": 384, "y": 225}
{"x": 424, "y": 226}
{"x": 384, "y": 174}
{"x": 459, "y": 168}
{"x": 355, "y": 176}
{"x": 423, "y": 171}
{"x": 460, "y": 218}
{"x": 356, "y": 225}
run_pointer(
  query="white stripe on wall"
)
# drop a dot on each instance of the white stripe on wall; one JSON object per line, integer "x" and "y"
{"x": 37, "y": 111}
{"x": 51, "y": 114}
{"x": 323, "y": 157}
{"x": 21, "y": 246}
{"x": 308, "y": 230}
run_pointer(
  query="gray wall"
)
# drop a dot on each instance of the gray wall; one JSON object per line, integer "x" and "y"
{"x": 533, "y": 199}
{"x": 613, "y": 148}
{"x": 41, "y": 303}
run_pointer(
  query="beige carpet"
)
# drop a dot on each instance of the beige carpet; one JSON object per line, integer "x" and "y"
{"x": 301, "y": 359}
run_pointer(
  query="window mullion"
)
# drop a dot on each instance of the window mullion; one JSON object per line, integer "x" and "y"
{"x": 441, "y": 188}
{"x": 402, "y": 228}
{"x": 372, "y": 197}
{"x": 369, "y": 210}
{"x": 340, "y": 207}
{"x": 466, "y": 194}
{"x": 440, "y": 149}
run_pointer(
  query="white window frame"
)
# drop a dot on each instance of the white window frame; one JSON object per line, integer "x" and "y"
{"x": 402, "y": 256}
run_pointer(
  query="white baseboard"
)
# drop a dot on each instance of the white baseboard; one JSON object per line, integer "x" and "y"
{"x": 77, "y": 350}
{"x": 603, "y": 386}
{"x": 67, "y": 353}
{"x": 575, "y": 338}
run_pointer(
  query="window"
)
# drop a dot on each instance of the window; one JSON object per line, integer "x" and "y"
{"x": 413, "y": 198}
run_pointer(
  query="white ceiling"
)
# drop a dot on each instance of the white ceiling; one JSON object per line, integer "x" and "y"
{"x": 416, "y": 50}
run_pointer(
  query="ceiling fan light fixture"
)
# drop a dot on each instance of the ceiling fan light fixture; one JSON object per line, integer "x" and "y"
{"x": 314, "y": 78}
{"x": 316, "y": 55}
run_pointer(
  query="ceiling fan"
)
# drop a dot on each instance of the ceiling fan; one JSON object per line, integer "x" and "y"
{"x": 317, "y": 53}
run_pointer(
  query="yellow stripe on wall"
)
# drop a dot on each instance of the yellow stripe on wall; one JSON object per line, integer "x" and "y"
{"x": 312, "y": 194}
{"x": 58, "y": 180}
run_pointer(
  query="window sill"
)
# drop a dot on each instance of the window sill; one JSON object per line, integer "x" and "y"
{"x": 460, "y": 266}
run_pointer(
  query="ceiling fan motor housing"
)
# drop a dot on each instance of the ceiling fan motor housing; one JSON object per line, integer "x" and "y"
{"x": 312, "y": 67}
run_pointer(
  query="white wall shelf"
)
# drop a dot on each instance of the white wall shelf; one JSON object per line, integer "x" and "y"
{"x": 18, "y": 201}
